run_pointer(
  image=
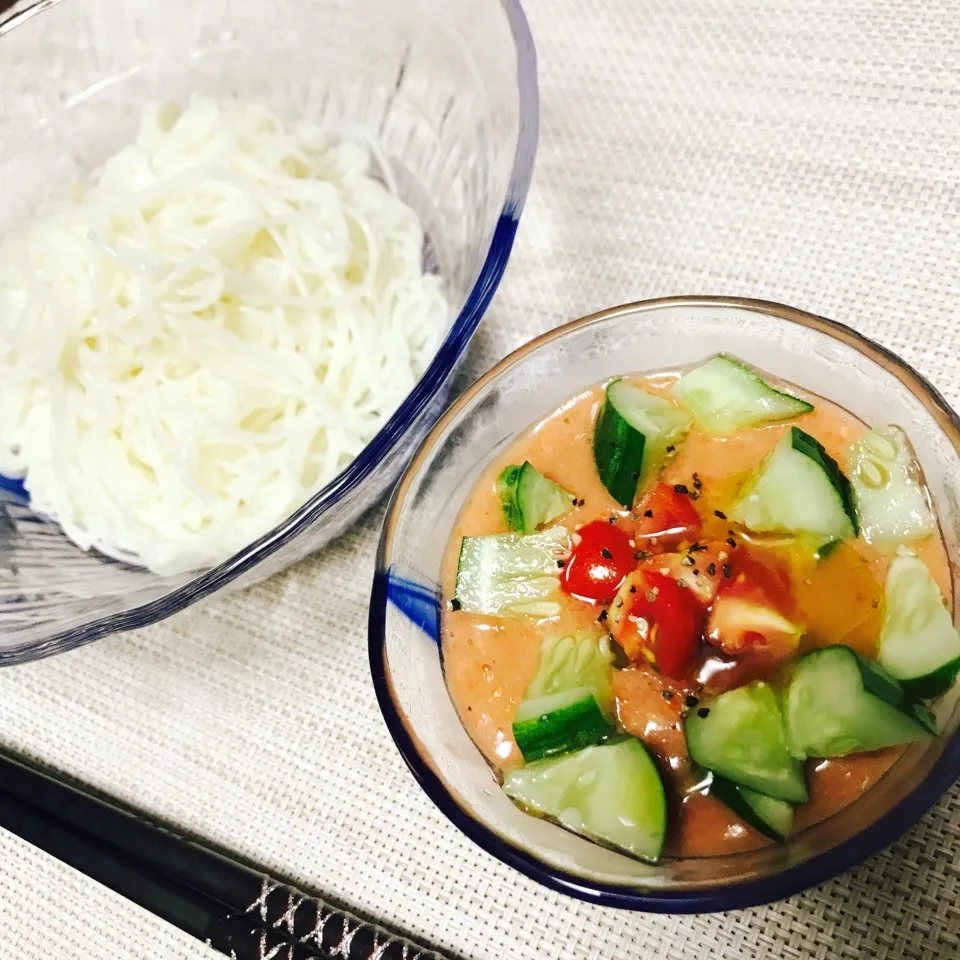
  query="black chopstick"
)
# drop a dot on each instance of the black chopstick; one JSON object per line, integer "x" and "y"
{"x": 237, "y": 909}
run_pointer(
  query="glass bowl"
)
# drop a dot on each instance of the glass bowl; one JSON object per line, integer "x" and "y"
{"x": 406, "y": 660}
{"x": 449, "y": 93}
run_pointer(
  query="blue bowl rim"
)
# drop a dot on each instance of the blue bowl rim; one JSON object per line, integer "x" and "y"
{"x": 857, "y": 848}
{"x": 390, "y": 435}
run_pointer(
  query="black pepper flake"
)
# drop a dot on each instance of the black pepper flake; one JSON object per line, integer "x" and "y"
{"x": 602, "y": 617}
{"x": 611, "y": 519}
{"x": 720, "y": 514}
{"x": 666, "y": 694}
{"x": 640, "y": 555}
{"x": 690, "y": 701}
{"x": 619, "y": 603}
{"x": 711, "y": 569}
{"x": 696, "y": 572}
{"x": 633, "y": 588}
{"x": 671, "y": 448}
{"x": 874, "y": 603}
{"x": 648, "y": 513}
{"x": 680, "y": 488}
{"x": 687, "y": 561}
{"x": 694, "y": 494}
{"x": 732, "y": 542}
{"x": 696, "y": 547}
{"x": 606, "y": 554}
{"x": 727, "y": 570}
{"x": 581, "y": 502}
{"x": 703, "y": 712}
{"x": 697, "y": 482}
{"x": 561, "y": 563}
{"x": 683, "y": 583}
{"x": 455, "y": 604}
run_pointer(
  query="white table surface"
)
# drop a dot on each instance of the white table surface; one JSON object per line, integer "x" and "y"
{"x": 806, "y": 152}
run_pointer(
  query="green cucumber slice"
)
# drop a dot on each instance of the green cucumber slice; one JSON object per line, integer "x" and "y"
{"x": 771, "y": 817}
{"x": 630, "y": 440}
{"x": 512, "y": 575}
{"x": 725, "y": 395}
{"x": 740, "y": 736}
{"x": 559, "y": 723}
{"x": 890, "y": 501}
{"x": 612, "y": 793}
{"x": 798, "y": 488}
{"x": 569, "y": 704}
{"x": 837, "y": 703}
{"x": 529, "y": 499}
{"x": 919, "y": 644}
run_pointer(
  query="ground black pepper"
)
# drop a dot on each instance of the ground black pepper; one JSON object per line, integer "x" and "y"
{"x": 606, "y": 554}
{"x": 720, "y": 514}
{"x": 666, "y": 694}
{"x": 602, "y": 617}
{"x": 648, "y": 513}
{"x": 680, "y": 488}
{"x": 727, "y": 570}
{"x": 561, "y": 563}
{"x": 687, "y": 561}
{"x": 633, "y": 588}
{"x": 454, "y": 604}
{"x": 671, "y": 448}
{"x": 732, "y": 542}
{"x": 711, "y": 569}
{"x": 703, "y": 712}
{"x": 690, "y": 700}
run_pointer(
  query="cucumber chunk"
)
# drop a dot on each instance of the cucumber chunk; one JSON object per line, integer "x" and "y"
{"x": 630, "y": 440}
{"x": 725, "y": 395}
{"x": 559, "y": 724}
{"x": 569, "y": 704}
{"x": 919, "y": 644}
{"x": 529, "y": 499}
{"x": 798, "y": 489}
{"x": 838, "y": 703}
{"x": 890, "y": 501}
{"x": 512, "y": 575}
{"x": 612, "y": 793}
{"x": 740, "y": 736}
{"x": 769, "y": 816}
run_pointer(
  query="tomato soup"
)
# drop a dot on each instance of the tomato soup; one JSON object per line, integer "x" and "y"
{"x": 656, "y": 583}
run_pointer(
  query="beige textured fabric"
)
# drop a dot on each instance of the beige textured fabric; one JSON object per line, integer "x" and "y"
{"x": 801, "y": 151}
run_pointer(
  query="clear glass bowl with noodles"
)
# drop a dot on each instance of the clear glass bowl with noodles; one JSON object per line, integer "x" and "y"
{"x": 449, "y": 94}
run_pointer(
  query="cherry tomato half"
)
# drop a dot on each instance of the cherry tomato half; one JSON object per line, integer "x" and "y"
{"x": 662, "y": 625}
{"x": 599, "y": 562}
{"x": 667, "y": 515}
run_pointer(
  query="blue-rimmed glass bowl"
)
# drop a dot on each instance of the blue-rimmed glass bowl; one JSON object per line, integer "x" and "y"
{"x": 406, "y": 661}
{"x": 449, "y": 93}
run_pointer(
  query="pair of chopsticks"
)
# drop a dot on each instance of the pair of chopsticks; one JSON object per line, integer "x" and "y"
{"x": 236, "y": 909}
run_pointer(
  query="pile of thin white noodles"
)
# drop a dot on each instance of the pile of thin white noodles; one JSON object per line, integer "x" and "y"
{"x": 209, "y": 331}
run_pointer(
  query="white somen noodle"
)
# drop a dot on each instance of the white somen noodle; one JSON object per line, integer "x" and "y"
{"x": 206, "y": 333}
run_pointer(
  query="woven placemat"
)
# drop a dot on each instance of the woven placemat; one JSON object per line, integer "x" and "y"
{"x": 806, "y": 152}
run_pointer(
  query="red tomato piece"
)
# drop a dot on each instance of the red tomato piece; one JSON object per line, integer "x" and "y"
{"x": 658, "y": 621}
{"x": 668, "y": 516}
{"x": 599, "y": 562}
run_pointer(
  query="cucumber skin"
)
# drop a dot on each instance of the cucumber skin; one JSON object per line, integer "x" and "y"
{"x": 934, "y": 684}
{"x": 618, "y": 453}
{"x": 507, "y": 491}
{"x": 812, "y": 448}
{"x": 728, "y": 793}
{"x": 551, "y": 736}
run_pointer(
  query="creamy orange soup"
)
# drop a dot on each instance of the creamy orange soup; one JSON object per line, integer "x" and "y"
{"x": 490, "y": 661}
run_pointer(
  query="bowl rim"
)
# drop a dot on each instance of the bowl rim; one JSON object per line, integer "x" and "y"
{"x": 861, "y": 845}
{"x": 451, "y": 350}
